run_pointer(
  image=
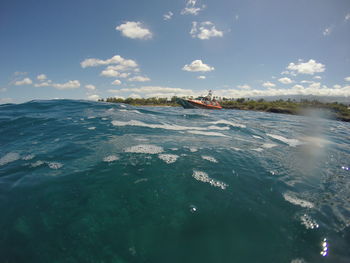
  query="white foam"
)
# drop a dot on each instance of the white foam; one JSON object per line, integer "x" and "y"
{"x": 165, "y": 126}
{"x": 203, "y": 177}
{"x": 104, "y": 119}
{"x": 233, "y": 124}
{"x": 54, "y": 165}
{"x": 290, "y": 142}
{"x": 268, "y": 145}
{"x": 236, "y": 149}
{"x": 110, "y": 158}
{"x": 308, "y": 222}
{"x": 168, "y": 158}
{"x": 134, "y": 111}
{"x": 141, "y": 139}
{"x": 28, "y": 157}
{"x": 9, "y": 158}
{"x": 257, "y": 137}
{"x": 122, "y": 105}
{"x": 37, "y": 163}
{"x": 291, "y": 198}
{"x": 174, "y": 149}
{"x": 258, "y": 149}
{"x": 208, "y": 133}
{"x": 144, "y": 148}
{"x": 91, "y": 128}
{"x": 193, "y": 149}
{"x": 209, "y": 158}
{"x": 91, "y": 117}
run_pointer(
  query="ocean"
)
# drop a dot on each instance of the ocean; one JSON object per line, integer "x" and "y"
{"x": 97, "y": 182}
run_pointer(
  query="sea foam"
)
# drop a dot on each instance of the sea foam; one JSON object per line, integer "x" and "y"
{"x": 233, "y": 124}
{"x": 144, "y": 148}
{"x": 209, "y": 158}
{"x": 168, "y": 158}
{"x": 291, "y": 198}
{"x": 203, "y": 177}
{"x": 9, "y": 158}
{"x": 290, "y": 142}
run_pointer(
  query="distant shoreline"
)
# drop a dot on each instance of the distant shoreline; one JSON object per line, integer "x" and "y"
{"x": 336, "y": 111}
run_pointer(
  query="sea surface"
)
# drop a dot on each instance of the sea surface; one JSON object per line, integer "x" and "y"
{"x": 97, "y": 182}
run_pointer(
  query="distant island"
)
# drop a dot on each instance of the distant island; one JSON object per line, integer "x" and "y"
{"x": 332, "y": 110}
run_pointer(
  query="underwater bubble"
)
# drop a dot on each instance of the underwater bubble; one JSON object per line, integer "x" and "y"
{"x": 193, "y": 209}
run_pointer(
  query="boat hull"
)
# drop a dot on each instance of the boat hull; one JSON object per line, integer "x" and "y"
{"x": 192, "y": 104}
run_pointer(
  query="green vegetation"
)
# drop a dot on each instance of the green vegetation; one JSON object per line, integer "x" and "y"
{"x": 333, "y": 110}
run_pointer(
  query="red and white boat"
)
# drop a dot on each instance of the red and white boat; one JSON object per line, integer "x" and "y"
{"x": 206, "y": 102}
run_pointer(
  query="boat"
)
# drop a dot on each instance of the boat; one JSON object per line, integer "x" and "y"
{"x": 206, "y": 102}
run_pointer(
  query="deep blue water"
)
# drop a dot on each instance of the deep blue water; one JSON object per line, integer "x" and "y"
{"x": 97, "y": 182}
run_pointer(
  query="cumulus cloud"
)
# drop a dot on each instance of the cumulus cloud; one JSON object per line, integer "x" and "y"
{"x": 93, "y": 97}
{"x": 191, "y": 8}
{"x": 116, "y": 82}
{"x": 46, "y": 83}
{"x": 90, "y": 87}
{"x": 122, "y": 62}
{"x": 139, "y": 79}
{"x": 41, "y": 77}
{"x": 311, "y": 67}
{"x": 268, "y": 84}
{"x": 72, "y": 84}
{"x": 134, "y": 30}
{"x": 327, "y": 31}
{"x": 197, "y": 66}
{"x": 201, "y": 77}
{"x": 168, "y": 15}
{"x": 25, "y": 81}
{"x": 347, "y": 79}
{"x": 285, "y": 80}
{"x": 317, "y": 77}
{"x": 205, "y": 30}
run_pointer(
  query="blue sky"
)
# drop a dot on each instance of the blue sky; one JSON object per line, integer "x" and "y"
{"x": 88, "y": 49}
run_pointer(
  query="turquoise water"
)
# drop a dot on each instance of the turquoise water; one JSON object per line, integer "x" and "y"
{"x": 96, "y": 182}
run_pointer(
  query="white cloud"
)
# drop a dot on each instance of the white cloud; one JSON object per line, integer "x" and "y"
{"x": 72, "y": 84}
{"x": 236, "y": 17}
{"x": 113, "y": 73}
{"x": 268, "y": 84}
{"x": 315, "y": 85}
{"x": 93, "y": 97}
{"x": 3, "y": 89}
{"x": 347, "y": 17}
{"x": 94, "y": 62}
{"x": 336, "y": 86}
{"x": 43, "y": 84}
{"x": 134, "y": 30}
{"x": 204, "y": 30}
{"x": 285, "y": 80}
{"x": 317, "y": 77}
{"x": 198, "y": 66}
{"x": 90, "y": 87}
{"x": 244, "y": 87}
{"x": 6, "y": 100}
{"x": 139, "y": 79}
{"x": 117, "y": 82}
{"x": 327, "y": 31}
{"x": 41, "y": 77}
{"x": 191, "y": 8}
{"x": 347, "y": 79}
{"x": 25, "y": 81}
{"x": 306, "y": 81}
{"x": 155, "y": 91}
{"x": 201, "y": 77}
{"x": 168, "y": 15}
{"x": 311, "y": 67}
{"x": 134, "y": 96}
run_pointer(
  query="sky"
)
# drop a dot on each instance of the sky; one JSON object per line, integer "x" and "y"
{"x": 89, "y": 49}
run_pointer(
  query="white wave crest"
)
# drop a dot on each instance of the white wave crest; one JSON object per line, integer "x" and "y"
{"x": 233, "y": 124}
{"x": 209, "y": 158}
{"x": 9, "y": 158}
{"x": 203, "y": 177}
{"x": 54, "y": 165}
{"x": 110, "y": 158}
{"x": 28, "y": 157}
{"x": 268, "y": 145}
{"x": 168, "y": 158}
{"x": 37, "y": 163}
{"x": 91, "y": 128}
{"x": 291, "y": 198}
{"x": 208, "y": 133}
{"x": 290, "y": 142}
{"x": 144, "y": 148}
{"x": 172, "y": 127}
{"x": 130, "y": 111}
